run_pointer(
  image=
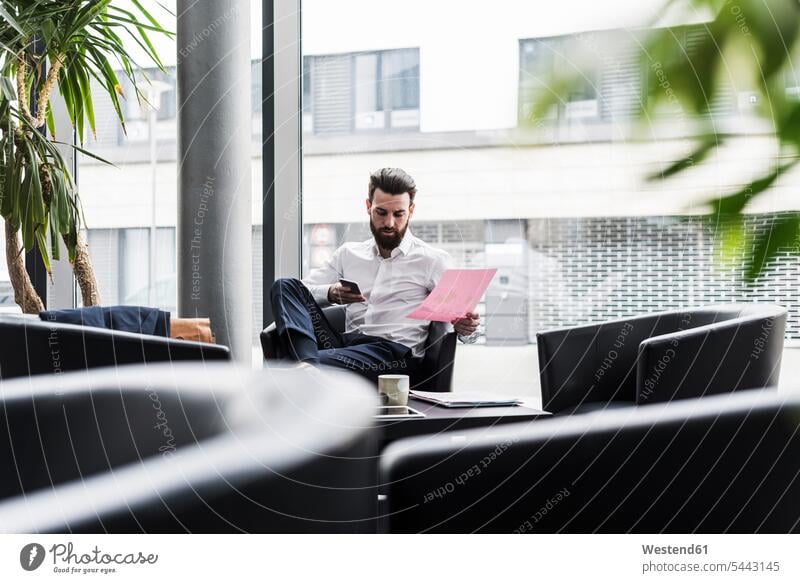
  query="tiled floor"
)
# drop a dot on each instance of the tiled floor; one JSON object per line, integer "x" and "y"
{"x": 514, "y": 370}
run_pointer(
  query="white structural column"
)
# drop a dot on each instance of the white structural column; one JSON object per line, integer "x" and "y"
{"x": 214, "y": 166}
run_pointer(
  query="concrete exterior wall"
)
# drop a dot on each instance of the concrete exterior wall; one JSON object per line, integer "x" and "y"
{"x": 604, "y": 179}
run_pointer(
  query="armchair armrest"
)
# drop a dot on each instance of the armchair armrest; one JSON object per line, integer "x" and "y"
{"x": 271, "y": 347}
{"x": 435, "y": 372}
{"x": 742, "y": 353}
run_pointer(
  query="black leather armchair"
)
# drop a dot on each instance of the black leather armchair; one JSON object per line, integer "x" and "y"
{"x": 725, "y": 463}
{"x": 31, "y": 346}
{"x": 187, "y": 448}
{"x": 661, "y": 357}
{"x": 432, "y": 372}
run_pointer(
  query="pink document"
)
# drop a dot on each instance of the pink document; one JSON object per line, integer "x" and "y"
{"x": 457, "y": 293}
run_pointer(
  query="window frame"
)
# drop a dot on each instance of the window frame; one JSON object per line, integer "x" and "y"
{"x": 282, "y": 144}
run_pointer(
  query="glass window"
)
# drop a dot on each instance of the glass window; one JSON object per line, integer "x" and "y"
{"x": 7, "y": 303}
{"x": 540, "y": 59}
{"x": 255, "y": 87}
{"x": 134, "y": 262}
{"x": 610, "y": 82}
{"x": 369, "y": 88}
{"x": 121, "y": 258}
{"x": 560, "y": 206}
{"x": 118, "y": 200}
{"x": 402, "y": 76}
{"x": 308, "y": 94}
{"x": 368, "y": 91}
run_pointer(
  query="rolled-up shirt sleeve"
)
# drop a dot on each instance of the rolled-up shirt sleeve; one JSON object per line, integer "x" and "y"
{"x": 471, "y": 339}
{"x": 322, "y": 278}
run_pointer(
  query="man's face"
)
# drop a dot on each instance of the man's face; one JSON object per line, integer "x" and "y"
{"x": 388, "y": 217}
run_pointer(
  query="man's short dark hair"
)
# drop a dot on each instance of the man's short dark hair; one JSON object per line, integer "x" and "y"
{"x": 392, "y": 181}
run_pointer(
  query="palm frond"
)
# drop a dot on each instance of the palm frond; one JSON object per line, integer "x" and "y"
{"x": 81, "y": 39}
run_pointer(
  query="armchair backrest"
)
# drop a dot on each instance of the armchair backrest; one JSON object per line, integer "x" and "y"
{"x": 610, "y": 361}
{"x": 176, "y": 448}
{"x": 727, "y": 463}
{"x": 741, "y": 350}
{"x": 595, "y": 362}
{"x": 31, "y": 347}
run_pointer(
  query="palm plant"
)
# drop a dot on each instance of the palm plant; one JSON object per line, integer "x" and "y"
{"x": 748, "y": 43}
{"x": 81, "y": 40}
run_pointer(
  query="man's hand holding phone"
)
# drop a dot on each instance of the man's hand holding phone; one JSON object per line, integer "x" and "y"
{"x": 345, "y": 292}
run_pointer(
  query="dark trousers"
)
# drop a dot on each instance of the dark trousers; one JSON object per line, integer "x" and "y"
{"x": 307, "y": 335}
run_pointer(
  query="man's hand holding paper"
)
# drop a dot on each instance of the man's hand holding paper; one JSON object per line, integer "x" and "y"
{"x": 468, "y": 325}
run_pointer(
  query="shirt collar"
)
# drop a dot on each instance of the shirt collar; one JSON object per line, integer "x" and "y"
{"x": 405, "y": 244}
{"x": 404, "y": 247}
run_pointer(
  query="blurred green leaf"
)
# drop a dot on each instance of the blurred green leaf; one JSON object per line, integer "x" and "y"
{"x": 8, "y": 90}
{"x": 747, "y": 45}
{"x": 784, "y": 233}
{"x": 736, "y": 202}
{"x": 698, "y": 155}
{"x": 789, "y": 126}
{"x": 732, "y": 238}
{"x": 551, "y": 96}
{"x": 11, "y": 20}
{"x": 772, "y": 25}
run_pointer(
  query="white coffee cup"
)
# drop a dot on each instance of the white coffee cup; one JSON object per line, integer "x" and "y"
{"x": 395, "y": 387}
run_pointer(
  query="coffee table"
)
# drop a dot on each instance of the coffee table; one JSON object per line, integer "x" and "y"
{"x": 440, "y": 419}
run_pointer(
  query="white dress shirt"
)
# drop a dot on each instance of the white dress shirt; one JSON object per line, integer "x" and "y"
{"x": 393, "y": 286}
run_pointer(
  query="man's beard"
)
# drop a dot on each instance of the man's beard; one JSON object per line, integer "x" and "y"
{"x": 387, "y": 241}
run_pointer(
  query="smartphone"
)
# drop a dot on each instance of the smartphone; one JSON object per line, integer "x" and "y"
{"x": 396, "y": 412}
{"x": 351, "y": 285}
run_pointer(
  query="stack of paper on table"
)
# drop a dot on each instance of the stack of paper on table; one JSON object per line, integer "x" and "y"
{"x": 465, "y": 399}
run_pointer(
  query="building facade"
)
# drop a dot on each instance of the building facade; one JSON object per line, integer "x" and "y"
{"x": 560, "y": 202}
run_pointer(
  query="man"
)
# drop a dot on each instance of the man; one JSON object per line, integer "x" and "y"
{"x": 395, "y": 272}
